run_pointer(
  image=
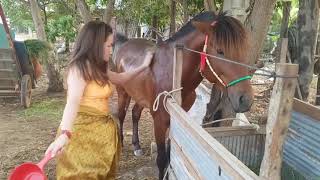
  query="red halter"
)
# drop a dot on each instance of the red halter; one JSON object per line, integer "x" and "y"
{"x": 204, "y": 60}
{"x": 203, "y": 55}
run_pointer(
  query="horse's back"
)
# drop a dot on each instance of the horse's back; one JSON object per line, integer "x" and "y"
{"x": 132, "y": 53}
{"x": 130, "y": 56}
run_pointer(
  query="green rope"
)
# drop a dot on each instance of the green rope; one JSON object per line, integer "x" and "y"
{"x": 232, "y": 83}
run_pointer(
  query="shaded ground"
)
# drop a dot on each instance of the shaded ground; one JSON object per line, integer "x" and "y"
{"x": 26, "y": 133}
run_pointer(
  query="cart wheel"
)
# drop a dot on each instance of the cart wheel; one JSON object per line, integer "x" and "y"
{"x": 26, "y": 86}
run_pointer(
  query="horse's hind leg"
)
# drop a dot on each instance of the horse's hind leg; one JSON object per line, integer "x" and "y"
{"x": 161, "y": 125}
{"x": 136, "y": 114}
{"x": 123, "y": 104}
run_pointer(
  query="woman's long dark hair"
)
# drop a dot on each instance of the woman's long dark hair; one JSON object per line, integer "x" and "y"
{"x": 88, "y": 53}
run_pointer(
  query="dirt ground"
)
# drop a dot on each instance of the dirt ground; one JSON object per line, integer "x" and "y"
{"x": 26, "y": 133}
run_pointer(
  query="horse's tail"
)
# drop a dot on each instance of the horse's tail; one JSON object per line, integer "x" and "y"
{"x": 119, "y": 40}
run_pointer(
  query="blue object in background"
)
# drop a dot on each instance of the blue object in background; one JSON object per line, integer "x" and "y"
{"x": 4, "y": 43}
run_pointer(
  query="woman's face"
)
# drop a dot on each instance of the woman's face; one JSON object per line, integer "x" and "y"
{"x": 107, "y": 47}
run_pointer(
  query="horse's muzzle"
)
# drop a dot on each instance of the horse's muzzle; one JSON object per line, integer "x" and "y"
{"x": 241, "y": 102}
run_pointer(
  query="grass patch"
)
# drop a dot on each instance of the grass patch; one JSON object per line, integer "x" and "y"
{"x": 46, "y": 108}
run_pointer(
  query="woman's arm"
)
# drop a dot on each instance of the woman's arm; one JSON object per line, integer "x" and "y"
{"x": 122, "y": 78}
{"x": 76, "y": 85}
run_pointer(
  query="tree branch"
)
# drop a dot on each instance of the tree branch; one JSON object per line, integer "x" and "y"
{"x": 26, "y": 3}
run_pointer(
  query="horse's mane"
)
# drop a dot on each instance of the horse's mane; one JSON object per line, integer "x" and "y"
{"x": 120, "y": 38}
{"x": 188, "y": 28}
{"x": 229, "y": 34}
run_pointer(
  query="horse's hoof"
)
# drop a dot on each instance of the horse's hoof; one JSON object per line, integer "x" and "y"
{"x": 138, "y": 152}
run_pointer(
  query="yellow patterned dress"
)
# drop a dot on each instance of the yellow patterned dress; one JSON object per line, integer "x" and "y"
{"x": 93, "y": 150}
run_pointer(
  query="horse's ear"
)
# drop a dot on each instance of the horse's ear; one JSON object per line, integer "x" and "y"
{"x": 203, "y": 27}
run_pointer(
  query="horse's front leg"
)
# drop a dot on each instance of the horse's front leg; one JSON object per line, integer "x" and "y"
{"x": 188, "y": 100}
{"x": 136, "y": 114}
{"x": 161, "y": 124}
{"x": 123, "y": 104}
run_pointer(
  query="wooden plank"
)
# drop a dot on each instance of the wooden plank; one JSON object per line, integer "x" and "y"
{"x": 8, "y": 82}
{"x": 6, "y": 60}
{"x": 278, "y": 120}
{"x": 6, "y": 54}
{"x": 214, "y": 150}
{"x": 9, "y": 93}
{"x": 177, "y": 72}
{"x": 306, "y": 108}
{"x": 235, "y": 131}
{"x": 7, "y": 75}
{"x": 6, "y": 65}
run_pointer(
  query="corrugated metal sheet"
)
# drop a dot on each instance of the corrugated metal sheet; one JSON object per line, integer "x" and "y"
{"x": 196, "y": 154}
{"x": 248, "y": 149}
{"x": 302, "y": 146}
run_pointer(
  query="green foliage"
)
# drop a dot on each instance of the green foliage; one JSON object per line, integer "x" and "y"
{"x": 38, "y": 49}
{"x": 62, "y": 26}
{"x": 275, "y": 26}
{"x": 18, "y": 13}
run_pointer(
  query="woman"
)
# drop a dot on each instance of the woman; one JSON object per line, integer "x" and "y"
{"x": 88, "y": 137}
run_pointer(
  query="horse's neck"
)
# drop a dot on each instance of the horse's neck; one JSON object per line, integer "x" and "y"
{"x": 191, "y": 77}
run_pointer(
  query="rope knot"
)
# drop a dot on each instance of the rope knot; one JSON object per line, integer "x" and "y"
{"x": 166, "y": 94}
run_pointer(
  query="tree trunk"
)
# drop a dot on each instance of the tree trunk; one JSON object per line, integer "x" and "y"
{"x": 210, "y": 5}
{"x": 185, "y": 11}
{"x": 155, "y": 26}
{"x": 55, "y": 80}
{"x": 218, "y": 108}
{"x": 307, "y": 31}
{"x": 317, "y": 70}
{"x": 138, "y": 31}
{"x": 54, "y": 75}
{"x": 109, "y": 11}
{"x": 38, "y": 23}
{"x": 84, "y": 10}
{"x": 285, "y": 19}
{"x": 257, "y": 23}
{"x": 284, "y": 27}
{"x": 126, "y": 27}
{"x": 172, "y": 17}
{"x": 67, "y": 41}
{"x": 317, "y": 101}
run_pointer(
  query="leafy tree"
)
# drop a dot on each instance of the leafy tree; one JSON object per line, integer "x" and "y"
{"x": 19, "y": 15}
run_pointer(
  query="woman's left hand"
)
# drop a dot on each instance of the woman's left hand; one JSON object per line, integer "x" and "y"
{"x": 148, "y": 59}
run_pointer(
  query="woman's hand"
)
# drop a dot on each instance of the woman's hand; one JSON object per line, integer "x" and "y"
{"x": 122, "y": 78}
{"x": 148, "y": 59}
{"x": 57, "y": 145}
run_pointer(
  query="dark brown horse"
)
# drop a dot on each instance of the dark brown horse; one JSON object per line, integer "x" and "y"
{"x": 226, "y": 37}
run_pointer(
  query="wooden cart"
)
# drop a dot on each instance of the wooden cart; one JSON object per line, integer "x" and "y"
{"x": 16, "y": 70}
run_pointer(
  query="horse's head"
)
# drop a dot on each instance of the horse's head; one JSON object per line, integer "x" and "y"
{"x": 227, "y": 38}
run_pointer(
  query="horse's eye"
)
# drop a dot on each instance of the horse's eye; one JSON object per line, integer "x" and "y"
{"x": 220, "y": 52}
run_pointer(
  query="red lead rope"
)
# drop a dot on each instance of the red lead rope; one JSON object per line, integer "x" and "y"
{"x": 203, "y": 55}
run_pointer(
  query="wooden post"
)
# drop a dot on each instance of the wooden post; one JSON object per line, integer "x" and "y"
{"x": 278, "y": 120}
{"x": 177, "y": 72}
{"x": 317, "y": 101}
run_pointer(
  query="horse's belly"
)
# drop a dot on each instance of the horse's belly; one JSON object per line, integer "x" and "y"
{"x": 141, "y": 89}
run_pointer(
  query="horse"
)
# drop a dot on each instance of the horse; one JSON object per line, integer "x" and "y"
{"x": 223, "y": 35}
